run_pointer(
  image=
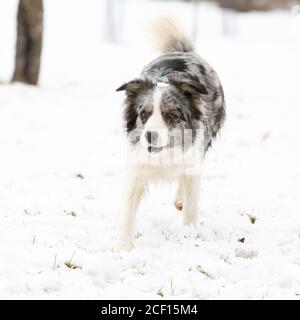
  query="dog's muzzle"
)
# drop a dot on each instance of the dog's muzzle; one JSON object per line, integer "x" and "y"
{"x": 152, "y": 137}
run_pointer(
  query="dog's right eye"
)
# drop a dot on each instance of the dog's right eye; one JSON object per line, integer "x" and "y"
{"x": 144, "y": 115}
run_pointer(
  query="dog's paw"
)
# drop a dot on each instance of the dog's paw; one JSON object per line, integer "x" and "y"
{"x": 178, "y": 205}
{"x": 122, "y": 246}
{"x": 190, "y": 221}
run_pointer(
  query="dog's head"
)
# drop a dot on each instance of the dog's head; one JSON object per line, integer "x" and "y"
{"x": 160, "y": 117}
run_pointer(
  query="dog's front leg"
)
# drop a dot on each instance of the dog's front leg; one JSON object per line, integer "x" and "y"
{"x": 132, "y": 196}
{"x": 179, "y": 197}
{"x": 191, "y": 200}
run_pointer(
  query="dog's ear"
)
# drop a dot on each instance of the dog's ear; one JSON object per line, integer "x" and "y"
{"x": 135, "y": 86}
{"x": 188, "y": 85}
{"x": 193, "y": 88}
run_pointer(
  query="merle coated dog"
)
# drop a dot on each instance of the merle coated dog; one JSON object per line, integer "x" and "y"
{"x": 172, "y": 114}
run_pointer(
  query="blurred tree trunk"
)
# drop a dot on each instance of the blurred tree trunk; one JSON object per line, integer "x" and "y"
{"x": 229, "y": 22}
{"x": 114, "y": 19}
{"x": 29, "y": 41}
{"x": 195, "y": 19}
{"x": 110, "y": 21}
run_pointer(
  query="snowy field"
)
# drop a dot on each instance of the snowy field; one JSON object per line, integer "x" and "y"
{"x": 62, "y": 159}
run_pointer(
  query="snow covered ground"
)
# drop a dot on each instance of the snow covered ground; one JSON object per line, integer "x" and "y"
{"x": 62, "y": 156}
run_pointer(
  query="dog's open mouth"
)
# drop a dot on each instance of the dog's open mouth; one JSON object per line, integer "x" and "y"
{"x": 153, "y": 149}
{"x": 156, "y": 149}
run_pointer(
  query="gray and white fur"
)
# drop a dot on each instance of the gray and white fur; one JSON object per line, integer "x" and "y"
{"x": 173, "y": 111}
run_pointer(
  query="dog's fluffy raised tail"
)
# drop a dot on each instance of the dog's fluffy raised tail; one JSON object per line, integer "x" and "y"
{"x": 169, "y": 37}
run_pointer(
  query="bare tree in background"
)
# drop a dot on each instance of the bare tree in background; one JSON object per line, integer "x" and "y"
{"x": 110, "y": 20}
{"x": 29, "y": 41}
{"x": 114, "y": 19}
{"x": 195, "y": 19}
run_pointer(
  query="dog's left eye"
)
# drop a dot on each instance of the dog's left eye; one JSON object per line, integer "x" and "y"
{"x": 174, "y": 118}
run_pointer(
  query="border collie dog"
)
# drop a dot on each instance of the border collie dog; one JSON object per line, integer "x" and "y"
{"x": 172, "y": 114}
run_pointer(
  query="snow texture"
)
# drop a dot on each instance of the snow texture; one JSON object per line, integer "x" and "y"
{"x": 62, "y": 159}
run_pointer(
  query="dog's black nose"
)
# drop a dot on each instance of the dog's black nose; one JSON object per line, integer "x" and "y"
{"x": 152, "y": 137}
